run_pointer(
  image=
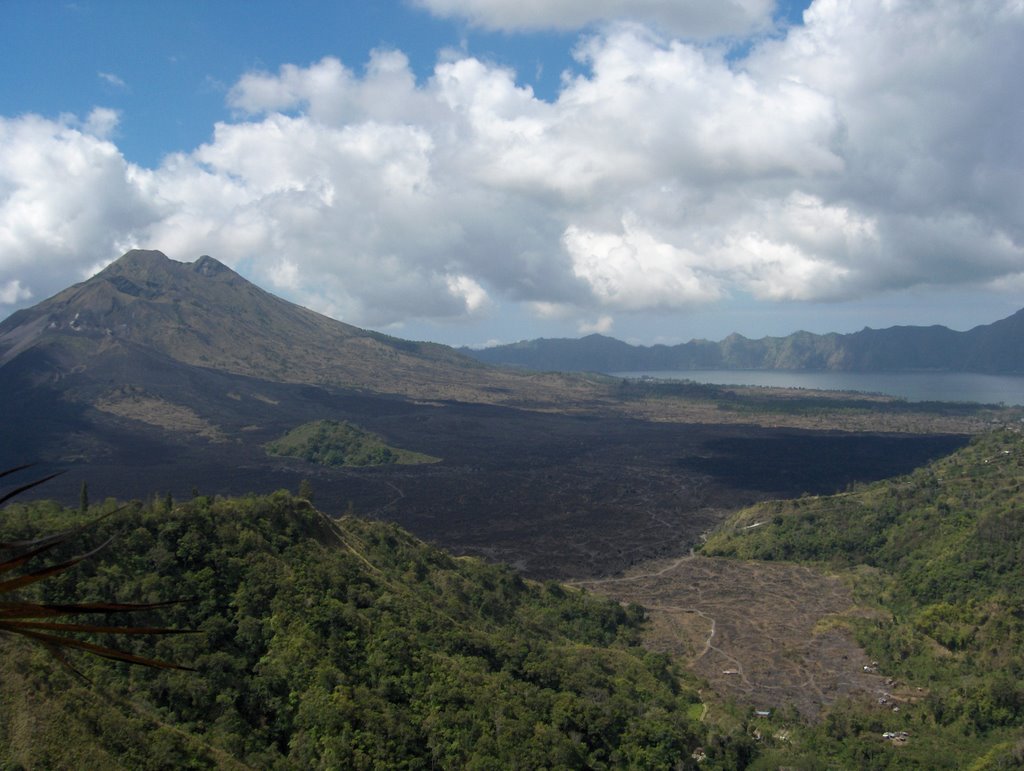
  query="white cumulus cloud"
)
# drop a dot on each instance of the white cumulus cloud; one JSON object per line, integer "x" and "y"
{"x": 602, "y": 326}
{"x": 67, "y": 200}
{"x": 687, "y": 18}
{"x": 878, "y": 147}
{"x": 633, "y": 270}
{"x": 13, "y": 292}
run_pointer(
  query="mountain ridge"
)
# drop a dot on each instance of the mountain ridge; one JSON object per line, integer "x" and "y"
{"x": 186, "y": 302}
{"x": 203, "y": 314}
{"x": 996, "y": 348}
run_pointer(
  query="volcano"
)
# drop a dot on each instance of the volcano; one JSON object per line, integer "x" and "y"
{"x": 156, "y": 377}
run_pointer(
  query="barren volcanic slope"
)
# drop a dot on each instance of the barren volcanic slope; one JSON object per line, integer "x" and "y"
{"x": 158, "y": 376}
{"x": 205, "y": 315}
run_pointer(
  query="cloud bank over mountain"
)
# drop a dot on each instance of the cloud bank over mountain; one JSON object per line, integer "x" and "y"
{"x": 877, "y": 147}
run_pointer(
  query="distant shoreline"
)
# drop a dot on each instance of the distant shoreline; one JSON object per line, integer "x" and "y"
{"x": 914, "y": 386}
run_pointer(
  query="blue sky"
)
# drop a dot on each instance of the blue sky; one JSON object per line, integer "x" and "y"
{"x": 168, "y": 65}
{"x": 484, "y": 170}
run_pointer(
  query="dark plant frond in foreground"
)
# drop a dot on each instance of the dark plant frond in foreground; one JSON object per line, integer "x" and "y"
{"x": 28, "y": 486}
{"x": 35, "y": 620}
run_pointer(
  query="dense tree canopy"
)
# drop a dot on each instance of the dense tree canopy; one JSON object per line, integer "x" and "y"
{"x": 347, "y": 645}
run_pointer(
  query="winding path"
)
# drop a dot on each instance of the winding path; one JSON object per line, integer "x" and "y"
{"x": 775, "y": 631}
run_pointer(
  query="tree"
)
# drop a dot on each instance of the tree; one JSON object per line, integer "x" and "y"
{"x": 83, "y": 498}
{"x": 44, "y": 623}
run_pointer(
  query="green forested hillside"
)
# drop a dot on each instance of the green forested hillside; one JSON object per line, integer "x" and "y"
{"x": 940, "y": 554}
{"x": 333, "y": 645}
{"x": 339, "y": 443}
{"x": 350, "y": 644}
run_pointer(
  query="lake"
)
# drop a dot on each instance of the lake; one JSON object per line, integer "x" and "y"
{"x": 912, "y": 386}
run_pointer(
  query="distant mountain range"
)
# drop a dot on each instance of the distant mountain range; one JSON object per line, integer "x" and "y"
{"x": 996, "y": 348}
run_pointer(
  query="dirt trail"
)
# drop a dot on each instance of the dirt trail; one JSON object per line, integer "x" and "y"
{"x": 764, "y": 634}
{"x": 631, "y": 576}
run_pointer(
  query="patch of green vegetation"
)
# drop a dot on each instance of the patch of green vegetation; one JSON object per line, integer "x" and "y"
{"x": 344, "y": 644}
{"x": 631, "y": 389}
{"x": 940, "y": 553}
{"x": 334, "y": 443}
{"x": 759, "y": 399}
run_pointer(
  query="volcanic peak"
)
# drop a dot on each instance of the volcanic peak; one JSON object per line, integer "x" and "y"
{"x": 203, "y": 314}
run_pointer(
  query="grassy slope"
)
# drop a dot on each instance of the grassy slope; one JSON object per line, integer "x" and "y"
{"x": 941, "y": 553}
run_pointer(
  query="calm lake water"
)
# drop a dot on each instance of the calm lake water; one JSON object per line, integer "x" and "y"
{"x": 912, "y": 386}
